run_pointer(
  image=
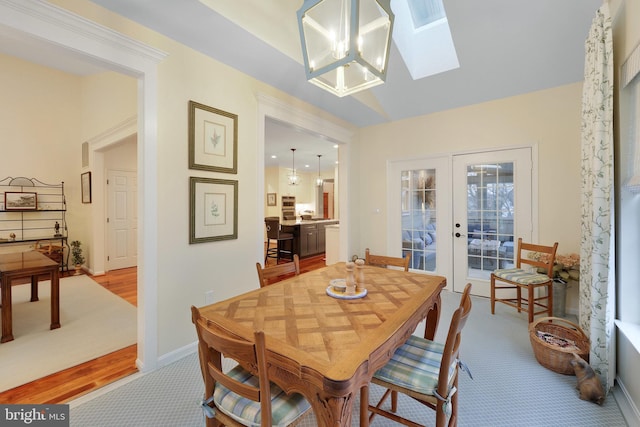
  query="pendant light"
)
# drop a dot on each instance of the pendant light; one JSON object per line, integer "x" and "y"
{"x": 293, "y": 178}
{"x": 319, "y": 180}
{"x": 345, "y": 43}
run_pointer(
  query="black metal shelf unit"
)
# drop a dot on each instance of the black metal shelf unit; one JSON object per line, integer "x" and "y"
{"x": 33, "y": 211}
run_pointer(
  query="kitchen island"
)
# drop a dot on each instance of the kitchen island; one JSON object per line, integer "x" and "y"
{"x": 308, "y": 235}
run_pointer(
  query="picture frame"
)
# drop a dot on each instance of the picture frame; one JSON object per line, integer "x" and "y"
{"x": 213, "y": 209}
{"x": 20, "y": 201}
{"x": 85, "y": 186}
{"x": 272, "y": 199}
{"x": 213, "y": 139}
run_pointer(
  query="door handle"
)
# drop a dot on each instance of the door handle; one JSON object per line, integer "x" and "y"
{"x": 459, "y": 235}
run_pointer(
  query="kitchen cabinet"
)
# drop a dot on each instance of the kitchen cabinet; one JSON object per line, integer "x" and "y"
{"x": 309, "y": 236}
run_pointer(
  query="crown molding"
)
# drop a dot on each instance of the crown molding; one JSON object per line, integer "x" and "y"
{"x": 49, "y": 22}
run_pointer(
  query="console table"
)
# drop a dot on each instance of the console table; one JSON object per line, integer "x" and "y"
{"x": 27, "y": 264}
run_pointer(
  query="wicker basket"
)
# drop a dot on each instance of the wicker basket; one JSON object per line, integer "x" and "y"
{"x": 552, "y": 356}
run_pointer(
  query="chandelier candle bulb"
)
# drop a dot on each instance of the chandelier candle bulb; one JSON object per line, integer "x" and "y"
{"x": 351, "y": 280}
{"x": 360, "y": 275}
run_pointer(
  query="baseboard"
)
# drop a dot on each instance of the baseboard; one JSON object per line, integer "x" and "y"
{"x": 628, "y": 408}
{"x": 104, "y": 389}
{"x": 174, "y": 356}
{"x": 163, "y": 360}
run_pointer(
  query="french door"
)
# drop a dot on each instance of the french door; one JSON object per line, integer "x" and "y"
{"x": 491, "y": 209}
{"x": 458, "y": 216}
{"x": 420, "y": 212}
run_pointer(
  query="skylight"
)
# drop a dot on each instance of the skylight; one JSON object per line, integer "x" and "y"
{"x": 425, "y": 12}
{"x": 421, "y": 33}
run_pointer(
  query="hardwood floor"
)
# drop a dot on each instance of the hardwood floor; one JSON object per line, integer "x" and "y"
{"x": 74, "y": 382}
{"x": 71, "y": 383}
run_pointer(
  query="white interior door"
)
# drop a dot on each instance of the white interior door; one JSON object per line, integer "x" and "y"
{"x": 492, "y": 207}
{"x": 122, "y": 219}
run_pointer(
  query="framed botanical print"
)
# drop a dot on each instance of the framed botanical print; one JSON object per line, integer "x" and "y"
{"x": 213, "y": 139}
{"x": 213, "y": 209}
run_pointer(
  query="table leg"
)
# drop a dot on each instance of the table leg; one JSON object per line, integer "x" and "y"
{"x": 433, "y": 318}
{"x": 7, "y": 330}
{"x": 55, "y": 299}
{"x": 332, "y": 411}
{"x": 34, "y": 288}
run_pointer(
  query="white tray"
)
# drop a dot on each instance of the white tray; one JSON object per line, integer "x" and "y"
{"x": 341, "y": 295}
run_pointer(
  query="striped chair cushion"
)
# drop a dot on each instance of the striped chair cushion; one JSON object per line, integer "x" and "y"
{"x": 521, "y": 276}
{"x": 285, "y": 409}
{"x": 415, "y": 366}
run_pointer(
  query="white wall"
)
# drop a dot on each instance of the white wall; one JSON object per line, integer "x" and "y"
{"x": 40, "y": 125}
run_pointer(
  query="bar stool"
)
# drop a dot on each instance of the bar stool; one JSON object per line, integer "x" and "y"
{"x": 273, "y": 233}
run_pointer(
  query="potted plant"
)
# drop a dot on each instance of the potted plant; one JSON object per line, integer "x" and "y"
{"x": 566, "y": 268}
{"x": 76, "y": 255}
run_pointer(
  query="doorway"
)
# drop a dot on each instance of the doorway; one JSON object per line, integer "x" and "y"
{"x": 271, "y": 109}
{"x": 458, "y": 216}
{"x": 59, "y": 31}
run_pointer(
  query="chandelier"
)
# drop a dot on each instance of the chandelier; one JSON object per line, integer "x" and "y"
{"x": 319, "y": 180}
{"x": 293, "y": 178}
{"x": 345, "y": 43}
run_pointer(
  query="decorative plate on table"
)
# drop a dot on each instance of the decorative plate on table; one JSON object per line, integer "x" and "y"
{"x": 337, "y": 289}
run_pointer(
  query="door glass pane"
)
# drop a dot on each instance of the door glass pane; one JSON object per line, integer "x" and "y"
{"x": 490, "y": 213}
{"x": 418, "y": 189}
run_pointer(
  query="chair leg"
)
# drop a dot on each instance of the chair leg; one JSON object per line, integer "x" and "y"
{"x": 364, "y": 406}
{"x": 550, "y": 299}
{"x": 519, "y": 298}
{"x": 531, "y": 307}
{"x": 453, "y": 420}
{"x": 493, "y": 294}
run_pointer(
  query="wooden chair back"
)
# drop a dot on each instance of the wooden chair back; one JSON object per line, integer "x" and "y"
{"x": 214, "y": 343}
{"x": 269, "y": 274}
{"x": 452, "y": 344}
{"x": 545, "y": 261}
{"x": 385, "y": 261}
{"x": 447, "y": 377}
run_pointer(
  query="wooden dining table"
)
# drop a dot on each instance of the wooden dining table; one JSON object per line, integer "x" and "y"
{"x": 328, "y": 348}
{"x": 27, "y": 264}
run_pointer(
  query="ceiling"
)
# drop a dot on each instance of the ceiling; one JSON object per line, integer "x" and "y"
{"x": 504, "y": 47}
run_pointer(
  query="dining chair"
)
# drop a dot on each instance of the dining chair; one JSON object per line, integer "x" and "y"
{"x": 274, "y": 233}
{"x": 239, "y": 397}
{"x": 384, "y": 261}
{"x": 530, "y": 279}
{"x": 426, "y": 371}
{"x": 267, "y": 273}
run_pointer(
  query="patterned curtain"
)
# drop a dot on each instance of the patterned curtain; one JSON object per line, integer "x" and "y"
{"x": 597, "y": 285}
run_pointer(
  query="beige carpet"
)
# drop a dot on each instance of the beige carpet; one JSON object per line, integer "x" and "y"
{"x": 94, "y": 322}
